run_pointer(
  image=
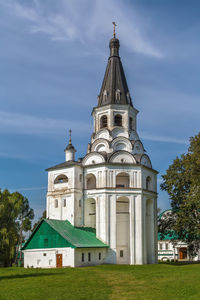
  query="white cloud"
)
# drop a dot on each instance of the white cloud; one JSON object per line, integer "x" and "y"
{"x": 85, "y": 21}
{"x": 29, "y": 188}
{"x": 25, "y": 124}
{"x": 165, "y": 139}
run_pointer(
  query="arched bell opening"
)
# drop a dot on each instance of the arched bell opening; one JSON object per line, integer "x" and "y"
{"x": 118, "y": 120}
{"x": 122, "y": 180}
{"x": 90, "y": 182}
{"x": 123, "y": 230}
{"x": 104, "y": 121}
{"x": 90, "y": 212}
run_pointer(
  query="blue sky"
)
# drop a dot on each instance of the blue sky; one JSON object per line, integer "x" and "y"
{"x": 53, "y": 56}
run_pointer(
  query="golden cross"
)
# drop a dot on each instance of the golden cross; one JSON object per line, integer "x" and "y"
{"x": 114, "y": 24}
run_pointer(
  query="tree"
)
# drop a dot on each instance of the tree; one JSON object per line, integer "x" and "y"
{"x": 15, "y": 218}
{"x": 182, "y": 183}
{"x": 36, "y": 223}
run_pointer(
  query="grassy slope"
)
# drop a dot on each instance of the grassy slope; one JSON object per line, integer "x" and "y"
{"x": 103, "y": 282}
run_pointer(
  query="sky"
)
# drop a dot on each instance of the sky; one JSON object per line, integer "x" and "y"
{"x": 53, "y": 56}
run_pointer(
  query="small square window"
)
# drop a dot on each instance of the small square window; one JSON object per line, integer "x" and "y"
{"x": 82, "y": 257}
{"x": 99, "y": 255}
{"x": 121, "y": 253}
{"x": 44, "y": 254}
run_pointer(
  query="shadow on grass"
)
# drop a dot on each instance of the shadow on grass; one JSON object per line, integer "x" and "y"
{"x": 180, "y": 263}
{"x": 22, "y": 276}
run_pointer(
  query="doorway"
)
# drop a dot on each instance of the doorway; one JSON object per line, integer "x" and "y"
{"x": 183, "y": 253}
{"x": 58, "y": 260}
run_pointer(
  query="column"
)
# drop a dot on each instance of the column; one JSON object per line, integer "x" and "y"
{"x": 138, "y": 230}
{"x": 132, "y": 229}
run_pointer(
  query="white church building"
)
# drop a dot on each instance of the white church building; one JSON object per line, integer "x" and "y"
{"x": 101, "y": 208}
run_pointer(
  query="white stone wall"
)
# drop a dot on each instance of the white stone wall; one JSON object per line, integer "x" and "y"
{"x": 94, "y": 256}
{"x": 46, "y": 258}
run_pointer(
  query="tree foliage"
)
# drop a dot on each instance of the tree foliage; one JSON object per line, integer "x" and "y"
{"x": 15, "y": 218}
{"x": 40, "y": 219}
{"x": 182, "y": 183}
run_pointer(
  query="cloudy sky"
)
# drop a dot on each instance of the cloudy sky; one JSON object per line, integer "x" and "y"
{"x": 53, "y": 56}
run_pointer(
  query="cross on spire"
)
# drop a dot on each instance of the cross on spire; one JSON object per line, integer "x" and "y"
{"x": 70, "y": 136}
{"x": 114, "y": 25}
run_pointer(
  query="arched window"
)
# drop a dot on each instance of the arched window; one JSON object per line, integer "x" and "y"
{"x": 122, "y": 180}
{"x": 103, "y": 121}
{"x": 56, "y": 203}
{"x": 61, "y": 179}
{"x": 90, "y": 182}
{"x": 148, "y": 183}
{"x": 130, "y": 123}
{"x": 118, "y": 120}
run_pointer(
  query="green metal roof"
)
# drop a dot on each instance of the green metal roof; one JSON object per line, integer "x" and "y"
{"x": 167, "y": 237}
{"x": 57, "y": 233}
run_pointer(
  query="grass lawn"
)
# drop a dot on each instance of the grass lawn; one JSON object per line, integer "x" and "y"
{"x": 162, "y": 281}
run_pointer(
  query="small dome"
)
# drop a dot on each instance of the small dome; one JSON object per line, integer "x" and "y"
{"x": 114, "y": 42}
{"x": 114, "y": 47}
{"x": 70, "y": 147}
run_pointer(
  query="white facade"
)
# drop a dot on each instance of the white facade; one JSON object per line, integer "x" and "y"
{"x": 113, "y": 188}
{"x": 71, "y": 257}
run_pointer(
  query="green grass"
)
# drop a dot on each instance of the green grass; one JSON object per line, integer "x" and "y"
{"x": 162, "y": 281}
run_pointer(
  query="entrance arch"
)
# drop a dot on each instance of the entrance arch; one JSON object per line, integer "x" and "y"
{"x": 122, "y": 230}
{"x": 90, "y": 212}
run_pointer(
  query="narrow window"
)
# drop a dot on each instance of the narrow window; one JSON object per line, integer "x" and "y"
{"x": 103, "y": 121}
{"x": 121, "y": 253}
{"x": 80, "y": 178}
{"x": 82, "y": 257}
{"x": 79, "y": 203}
{"x": 118, "y": 120}
{"x": 166, "y": 246}
{"x": 45, "y": 243}
{"x": 130, "y": 123}
{"x": 99, "y": 255}
{"x": 56, "y": 203}
{"x": 64, "y": 202}
{"x": 160, "y": 246}
{"x": 89, "y": 256}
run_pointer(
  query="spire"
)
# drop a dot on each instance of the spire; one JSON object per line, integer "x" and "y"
{"x": 114, "y": 88}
